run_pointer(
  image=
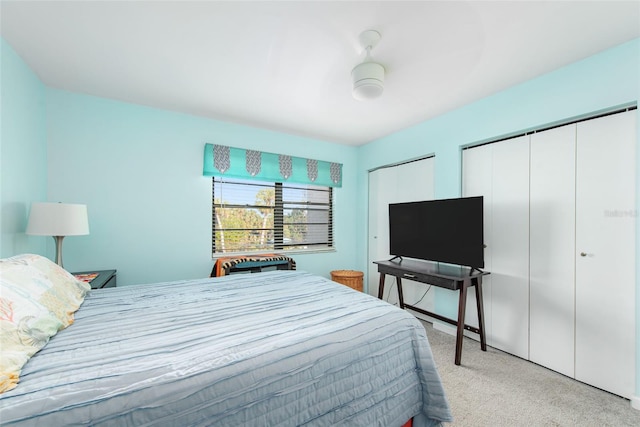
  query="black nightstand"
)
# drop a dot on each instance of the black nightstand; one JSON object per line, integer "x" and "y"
{"x": 104, "y": 279}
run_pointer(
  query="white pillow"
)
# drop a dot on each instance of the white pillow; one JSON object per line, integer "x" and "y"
{"x": 37, "y": 299}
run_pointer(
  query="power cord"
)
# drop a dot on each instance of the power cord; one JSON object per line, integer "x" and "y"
{"x": 397, "y": 303}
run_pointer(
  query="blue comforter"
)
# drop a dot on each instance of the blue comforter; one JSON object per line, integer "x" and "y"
{"x": 281, "y": 348}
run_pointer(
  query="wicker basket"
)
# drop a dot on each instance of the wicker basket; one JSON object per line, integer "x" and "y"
{"x": 350, "y": 278}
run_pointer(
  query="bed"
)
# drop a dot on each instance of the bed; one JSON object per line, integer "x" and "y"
{"x": 285, "y": 348}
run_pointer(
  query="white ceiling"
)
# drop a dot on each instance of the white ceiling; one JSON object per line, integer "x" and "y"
{"x": 286, "y": 65}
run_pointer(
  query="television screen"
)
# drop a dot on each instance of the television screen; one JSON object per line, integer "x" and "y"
{"x": 449, "y": 231}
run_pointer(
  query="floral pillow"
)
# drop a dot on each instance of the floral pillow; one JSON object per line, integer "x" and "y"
{"x": 37, "y": 299}
{"x": 25, "y": 327}
{"x": 56, "y": 288}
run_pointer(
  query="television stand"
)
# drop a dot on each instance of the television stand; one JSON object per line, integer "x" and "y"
{"x": 447, "y": 277}
{"x": 474, "y": 269}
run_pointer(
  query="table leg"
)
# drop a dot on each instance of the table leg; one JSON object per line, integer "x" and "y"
{"x": 480, "y": 307}
{"x": 462, "y": 304}
{"x": 400, "y": 296}
{"x": 381, "y": 286}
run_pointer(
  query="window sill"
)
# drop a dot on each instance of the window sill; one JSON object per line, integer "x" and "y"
{"x": 280, "y": 252}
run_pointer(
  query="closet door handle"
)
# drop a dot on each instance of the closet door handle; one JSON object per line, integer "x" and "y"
{"x": 583, "y": 254}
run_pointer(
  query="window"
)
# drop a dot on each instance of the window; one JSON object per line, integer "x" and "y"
{"x": 256, "y": 216}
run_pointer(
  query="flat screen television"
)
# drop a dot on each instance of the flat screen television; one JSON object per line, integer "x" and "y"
{"x": 449, "y": 231}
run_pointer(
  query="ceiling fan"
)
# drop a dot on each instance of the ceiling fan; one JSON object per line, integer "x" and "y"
{"x": 368, "y": 76}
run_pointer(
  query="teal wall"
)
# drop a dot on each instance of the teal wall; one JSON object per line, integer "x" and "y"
{"x": 23, "y": 152}
{"x": 139, "y": 170}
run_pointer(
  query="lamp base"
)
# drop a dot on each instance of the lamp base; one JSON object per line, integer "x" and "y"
{"x": 58, "y": 240}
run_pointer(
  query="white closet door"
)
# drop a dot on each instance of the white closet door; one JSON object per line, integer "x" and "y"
{"x": 552, "y": 249}
{"x": 500, "y": 173}
{"x": 510, "y": 251}
{"x": 382, "y": 187}
{"x": 477, "y": 167}
{"x": 407, "y": 182}
{"x": 605, "y": 253}
{"x": 415, "y": 183}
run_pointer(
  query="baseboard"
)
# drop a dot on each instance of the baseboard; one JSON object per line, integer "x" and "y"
{"x": 635, "y": 402}
{"x": 441, "y": 326}
{"x": 452, "y": 330}
{"x": 444, "y": 327}
{"x": 423, "y": 318}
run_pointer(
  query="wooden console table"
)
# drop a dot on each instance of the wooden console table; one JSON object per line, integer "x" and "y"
{"x": 442, "y": 276}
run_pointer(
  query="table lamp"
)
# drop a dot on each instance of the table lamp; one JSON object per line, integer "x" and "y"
{"x": 58, "y": 220}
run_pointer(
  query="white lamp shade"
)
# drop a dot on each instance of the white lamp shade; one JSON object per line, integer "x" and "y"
{"x": 58, "y": 219}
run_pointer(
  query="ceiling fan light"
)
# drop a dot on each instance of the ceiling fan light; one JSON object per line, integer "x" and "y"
{"x": 367, "y": 89}
{"x": 368, "y": 80}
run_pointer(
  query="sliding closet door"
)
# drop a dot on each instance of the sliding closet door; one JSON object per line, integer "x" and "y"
{"x": 407, "y": 182}
{"x": 415, "y": 183}
{"x": 560, "y": 216}
{"x": 605, "y": 253}
{"x": 500, "y": 173}
{"x": 510, "y": 253}
{"x": 552, "y": 248}
{"x": 477, "y": 166}
{"x": 382, "y": 186}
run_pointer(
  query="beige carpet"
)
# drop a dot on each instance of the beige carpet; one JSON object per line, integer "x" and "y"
{"x": 494, "y": 388}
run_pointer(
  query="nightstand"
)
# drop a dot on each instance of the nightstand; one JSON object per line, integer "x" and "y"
{"x": 104, "y": 278}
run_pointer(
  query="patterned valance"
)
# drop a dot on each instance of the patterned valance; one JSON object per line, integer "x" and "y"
{"x": 231, "y": 162}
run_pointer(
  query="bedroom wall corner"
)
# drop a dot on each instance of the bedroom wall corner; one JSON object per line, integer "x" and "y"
{"x": 23, "y": 152}
{"x": 139, "y": 170}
